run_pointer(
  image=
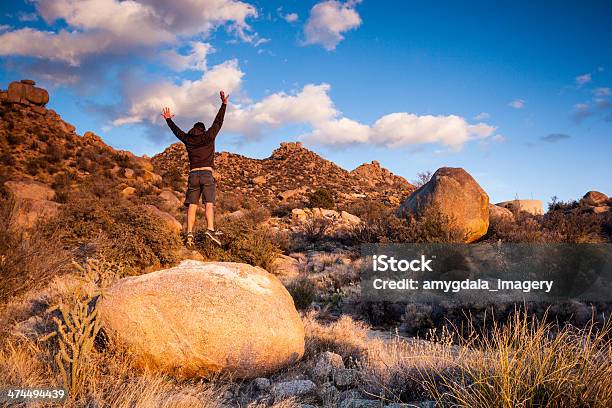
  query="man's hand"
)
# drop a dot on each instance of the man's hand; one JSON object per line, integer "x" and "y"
{"x": 224, "y": 97}
{"x": 166, "y": 113}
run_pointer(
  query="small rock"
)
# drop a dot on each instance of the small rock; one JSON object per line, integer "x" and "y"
{"x": 128, "y": 173}
{"x": 350, "y": 218}
{"x": 170, "y": 202}
{"x": 359, "y": 403}
{"x": 328, "y": 393}
{"x": 327, "y": 362}
{"x": 349, "y": 394}
{"x": 128, "y": 191}
{"x": 262, "y": 384}
{"x": 346, "y": 377}
{"x": 288, "y": 389}
{"x": 151, "y": 177}
{"x": 259, "y": 180}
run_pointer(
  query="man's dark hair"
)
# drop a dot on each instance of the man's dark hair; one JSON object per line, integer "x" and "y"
{"x": 199, "y": 125}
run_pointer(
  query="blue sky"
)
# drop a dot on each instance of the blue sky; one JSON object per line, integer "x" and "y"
{"x": 520, "y": 95}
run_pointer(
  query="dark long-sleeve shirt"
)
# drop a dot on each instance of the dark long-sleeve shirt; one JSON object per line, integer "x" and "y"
{"x": 200, "y": 143}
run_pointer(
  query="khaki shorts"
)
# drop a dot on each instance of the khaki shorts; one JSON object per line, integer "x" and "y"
{"x": 200, "y": 183}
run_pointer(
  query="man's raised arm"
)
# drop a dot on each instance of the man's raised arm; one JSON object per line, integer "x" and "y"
{"x": 218, "y": 122}
{"x": 175, "y": 129}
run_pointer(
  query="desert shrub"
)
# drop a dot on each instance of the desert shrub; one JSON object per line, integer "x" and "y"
{"x": 54, "y": 153}
{"x": 174, "y": 179}
{"x": 7, "y": 159}
{"x": 34, "y": 165}
{"x": 557, "y": 226}
{"x": 316, "y": 228}
{"x": 284, "y": 209}
{"x": 244, "y": 241}
{"x": 129, "y": 234}
{"x": 321, "y": 198}
{"x": 574, "y": 226}
{"x": 528, "y": 363}
{"x": 382, "y": 225}
{"x": 303, "y": 291}
{"x": 229, "y": 201}
{"x": 14, "y": 139}
{"x": 26, "y": 261}
{"x": 422, "y": 178}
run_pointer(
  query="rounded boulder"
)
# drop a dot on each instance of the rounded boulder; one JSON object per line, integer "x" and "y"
{"x": 202, "y": 318}
{"x": 455, "y": 194}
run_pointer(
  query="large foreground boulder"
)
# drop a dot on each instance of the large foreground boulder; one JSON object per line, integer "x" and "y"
{"x": 456, "y": 194}
{"x": 202, "y": 318}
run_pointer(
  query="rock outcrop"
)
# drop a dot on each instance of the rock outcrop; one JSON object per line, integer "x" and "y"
{"x": 455, "y": 194}
{"x": 32, "y": 202}
{"x": 497, "y": 213}
{"x": 291, "y": 173}
{"x": 533, "y": 207}
{"x": 594, "y": 198}
{"x": 24, "y": 92}
{"x": 201, "y": 318}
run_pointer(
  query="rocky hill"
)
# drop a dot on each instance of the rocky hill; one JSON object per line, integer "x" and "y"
{"x": 37, "y": 144}
{"x": 291, "y": 173}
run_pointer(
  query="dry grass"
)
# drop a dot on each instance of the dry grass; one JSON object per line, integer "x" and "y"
{"x": 27, "y": 261}
{"x": 346, "y": 336}
{"x": 527, "y": 363}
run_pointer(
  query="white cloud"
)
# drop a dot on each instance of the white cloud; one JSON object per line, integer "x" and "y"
{"x": 195, "y": 60}
{"x": 517, "y": 104}
{"x": 482, "y": 116}
{"x": 310, "y": 106}
{"x": 583, "y": 79}
{"x": 328, "y": 20}
{"x": 190, "y": 99}
{"x": 602, "y": 91}
{"x": 115, "y": 27}
{"x": 291, "y": 17}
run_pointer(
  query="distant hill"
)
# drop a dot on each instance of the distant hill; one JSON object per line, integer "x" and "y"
{"x": 37, "y": 144}
{"x": 290, "y": 174}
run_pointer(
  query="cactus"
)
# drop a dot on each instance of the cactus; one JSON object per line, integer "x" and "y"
{"x": 76, "y": 322}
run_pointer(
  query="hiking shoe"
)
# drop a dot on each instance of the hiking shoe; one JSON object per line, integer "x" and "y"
{"x": 212, "y": 235}
{"x": 189, "y": 241}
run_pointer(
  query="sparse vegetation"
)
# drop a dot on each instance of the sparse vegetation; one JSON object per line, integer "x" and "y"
{"x": 321, "y": 198}
{"x": 115, "y": 228}
{"x": 303, "y": 291}
{"x": 27, "y": 262}
{"x": 245, "y": 241}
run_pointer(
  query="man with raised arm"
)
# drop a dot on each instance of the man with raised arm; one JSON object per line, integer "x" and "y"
{"x": 200, "y": 144}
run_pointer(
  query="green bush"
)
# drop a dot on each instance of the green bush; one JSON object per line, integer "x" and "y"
{"x": 321, "y": 198}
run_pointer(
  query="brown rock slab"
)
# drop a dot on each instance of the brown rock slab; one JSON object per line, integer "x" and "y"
{"x": 203, "y": 318}
{"x": 30, "y": 189}
{"x": 595, "y": 198}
